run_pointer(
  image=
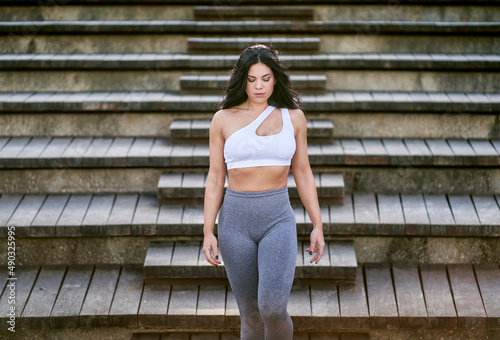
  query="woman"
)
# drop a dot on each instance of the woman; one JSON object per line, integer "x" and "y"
{"x": 256, "y": 136}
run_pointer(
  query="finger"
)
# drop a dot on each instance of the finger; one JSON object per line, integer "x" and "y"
{"x": 313, "y": 248}
{"x": 208, "y": 256}
{"x": 216, "y": 260}
{"x": 321, "y": 248}
{"x": 215, "y": 256}
{"x": 216, "y": 253}
{"x": 317, "y": 257}
{"x": 213, "y": 261}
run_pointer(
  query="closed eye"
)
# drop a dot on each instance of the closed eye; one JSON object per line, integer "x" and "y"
{"x": 251, "y": 80}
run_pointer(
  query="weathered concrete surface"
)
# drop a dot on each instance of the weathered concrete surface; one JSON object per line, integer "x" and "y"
{"x": 461, "y": 125}
{"x": 79, "y": 250}
{"x": 408, "y": 179}
{"x": 369, "y": 41}
{"x": 150, "y": 79}
{"x": 427, "y": 249}
{"x": 413, "y": 81}
{"x": 126, "y": 333}
{"x": 132, "y": 249}
{"x": 70, "y": 334}
{"x": 140, "y": 43}
{"x": 86, "y": 180}
{"x": 363, "y": 42}
{"x": 392, "y": 11}
{"x": 141, "y": 124}
{"x": 360, "y": 179}
{"x": 395, "y": 11}
{"x": 393, "y": 180}
{"x": 51, "y": 12}
{"x": 438, "y": 334}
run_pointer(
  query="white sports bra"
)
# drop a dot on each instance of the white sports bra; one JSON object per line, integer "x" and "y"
{"x": 245, "y": 149}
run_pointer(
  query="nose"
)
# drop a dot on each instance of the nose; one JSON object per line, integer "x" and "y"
{"x": 258, "y": 84}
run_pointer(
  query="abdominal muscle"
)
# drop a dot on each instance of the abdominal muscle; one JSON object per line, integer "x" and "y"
{"x": 261, "y": 178}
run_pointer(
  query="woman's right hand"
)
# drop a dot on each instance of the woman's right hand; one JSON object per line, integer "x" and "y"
{"x": 209, "y": 248}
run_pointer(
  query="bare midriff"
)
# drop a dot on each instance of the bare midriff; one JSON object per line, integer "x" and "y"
{"x": 261, "y": 178}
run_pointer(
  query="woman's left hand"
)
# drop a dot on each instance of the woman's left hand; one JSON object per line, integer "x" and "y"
{"x": 317, "y": 245}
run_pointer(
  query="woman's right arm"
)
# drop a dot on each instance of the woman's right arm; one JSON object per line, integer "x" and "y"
{"x": 214, "y": 189}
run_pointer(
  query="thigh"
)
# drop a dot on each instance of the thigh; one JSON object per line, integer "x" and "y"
{"x": 277, "y": 260}
{"x": 239, "y": 255}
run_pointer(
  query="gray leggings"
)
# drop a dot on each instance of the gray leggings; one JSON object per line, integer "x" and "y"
{"x": 258, "y": 243}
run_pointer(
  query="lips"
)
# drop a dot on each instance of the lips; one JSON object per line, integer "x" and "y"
{"x": 260, "y": 94}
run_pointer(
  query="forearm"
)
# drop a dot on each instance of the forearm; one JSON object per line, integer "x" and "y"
{"x": 306, "y": 187}
{"x": 213, "y": 198}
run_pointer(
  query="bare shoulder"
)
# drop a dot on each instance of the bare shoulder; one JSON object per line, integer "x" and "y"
{"x": 224, "y": 114}
{"x": 298, "y": 118}
{"x": 219, "y": 117}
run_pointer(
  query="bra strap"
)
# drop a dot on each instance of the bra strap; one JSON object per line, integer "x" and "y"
{"x": 263, "y": 116}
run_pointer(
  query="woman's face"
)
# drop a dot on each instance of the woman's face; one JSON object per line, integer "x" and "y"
{"x": 260, "y": 83}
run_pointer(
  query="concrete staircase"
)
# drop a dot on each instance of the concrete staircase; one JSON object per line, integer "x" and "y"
{"x": 104, "y": 115}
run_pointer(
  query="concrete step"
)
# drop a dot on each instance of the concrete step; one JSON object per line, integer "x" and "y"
{"x": 184, "y": 262}
{"x": 175, "y": 43}
{"x": 95, "y": 152}
{"x": 162, "y": 36}
{"x": 186, "y": 131}
{"x": 176, "y": 188}
{"x": 331, "y": 102}
{"x": 192, "y": 82}
{"x": 156, "y": 72}
{"x": 215, "y": 84}
{"x": 104, "y": 215}
{"x": 117, "y": 228}
{"x": 383, "y": 179}
{"x": 253, "y": 2}
{"x": 321, "y": 62}
{"x": 457, "y": 124}
{"x": 214, "y": 13}
{"x": 248, "y": 27}
{"x": 236, "y": 335}
{"x": 236, "y": 45}
{"x": 196, "y": 84}
{"x": 128, "y": 164}
{"x": 389, "y": 180}
{"x": 471, "y": 11}
{"x": 98, "y": 11}
{"x": 456, "y": 297}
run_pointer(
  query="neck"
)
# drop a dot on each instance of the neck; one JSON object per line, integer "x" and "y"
{"x": 258, "y": 107}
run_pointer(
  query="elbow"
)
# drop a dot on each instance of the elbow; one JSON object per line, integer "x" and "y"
{"x": 302, "y": 173}
{"x": 215, "y": 180}
{"x": 304, "y": 178}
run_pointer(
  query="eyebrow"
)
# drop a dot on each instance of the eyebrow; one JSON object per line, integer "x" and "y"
{"x": 265, "y": 75}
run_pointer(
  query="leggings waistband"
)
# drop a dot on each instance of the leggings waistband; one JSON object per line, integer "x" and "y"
{"x": 252, "y": 194}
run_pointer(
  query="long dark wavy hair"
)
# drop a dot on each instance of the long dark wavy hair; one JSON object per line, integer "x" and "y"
{"x": 235, "y": 94}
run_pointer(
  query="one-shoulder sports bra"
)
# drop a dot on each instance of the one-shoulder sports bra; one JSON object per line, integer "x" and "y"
{"x": 245, "y": 149}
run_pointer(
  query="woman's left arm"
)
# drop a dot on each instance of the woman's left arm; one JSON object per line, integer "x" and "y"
{"x": 306, "y": 185}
